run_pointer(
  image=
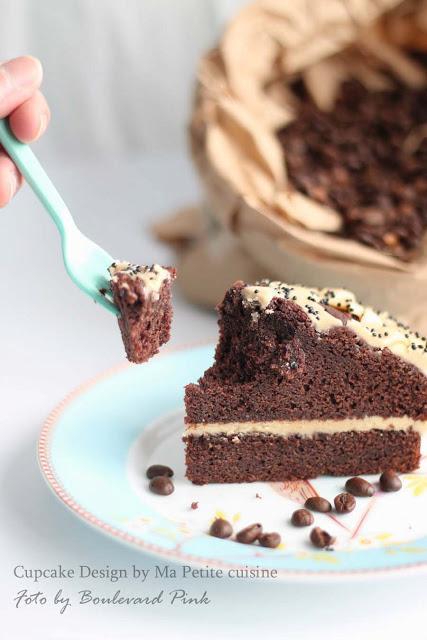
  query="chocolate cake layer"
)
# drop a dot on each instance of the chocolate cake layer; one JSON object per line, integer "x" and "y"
{"x": 261, "y": 457}
{"x": 273, "y": 364}
{"x": 143, "y": 296}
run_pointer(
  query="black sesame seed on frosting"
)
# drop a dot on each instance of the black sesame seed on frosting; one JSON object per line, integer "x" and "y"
{"x": 379, "y": 329}
{"x": 152, "y": 276}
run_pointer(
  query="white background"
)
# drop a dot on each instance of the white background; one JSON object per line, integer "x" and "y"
{"x": 118, "y": 76}
{"x": 118, "y": 73}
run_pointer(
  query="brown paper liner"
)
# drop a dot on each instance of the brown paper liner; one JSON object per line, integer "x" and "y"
{"x": 242, "y": 99}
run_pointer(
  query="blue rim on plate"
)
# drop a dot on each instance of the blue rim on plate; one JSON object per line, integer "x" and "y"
{"x": 84, "y": 450}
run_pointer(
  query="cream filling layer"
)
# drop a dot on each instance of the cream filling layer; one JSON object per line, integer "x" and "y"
{"x": 306, "y": 427}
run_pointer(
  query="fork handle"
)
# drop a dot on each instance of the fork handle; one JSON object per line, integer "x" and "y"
{"x": 37, "y": 178}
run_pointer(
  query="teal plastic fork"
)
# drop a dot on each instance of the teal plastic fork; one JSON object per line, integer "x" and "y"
{"x": 86, "y": 263}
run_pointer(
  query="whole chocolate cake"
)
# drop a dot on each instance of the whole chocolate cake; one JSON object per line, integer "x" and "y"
{"x": 305, "y": 382}
{"x": 143, "y": 296}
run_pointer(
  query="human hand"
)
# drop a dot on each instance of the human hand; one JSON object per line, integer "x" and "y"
{"x": 27, "y": 110}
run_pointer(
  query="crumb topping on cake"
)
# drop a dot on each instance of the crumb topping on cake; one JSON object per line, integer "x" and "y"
{"x": 377, "y": 328}
{"x": 152, "y": 277}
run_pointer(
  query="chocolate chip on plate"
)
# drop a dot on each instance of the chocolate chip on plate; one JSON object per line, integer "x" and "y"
{"x": 390, "y": 481}
{"x": 359, "y": 487}
{"x": 320, "y": 538}
{"x": 344, "y": 502}
{"x": 271, "y": 540}
{"x": 249, "y": 534}
{"x": 316, "y": 503}
{"x": 302, "y": 518}
{"x": 161, "y": 485}
{"x": 221, "y": 528}
{"x": 159, "y": 470}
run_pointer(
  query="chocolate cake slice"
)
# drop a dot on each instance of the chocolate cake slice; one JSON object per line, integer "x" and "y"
{"x": 305, "y": 382}
{"x": 143, "y": 296}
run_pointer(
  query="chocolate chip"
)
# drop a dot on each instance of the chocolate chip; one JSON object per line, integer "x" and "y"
{"x": 194, "y": 505}
{"x": 249, "y": 534}
{"x": 221, "y": 528}
{"x": 344, "y": 502}
{"x": 359, "y": 487}
{"x": 316, "y": 503}
{"x": 159, "y": 470}
{"x": 390, "y": 481}
{"x": 302, "y": 518}
{"x": 271, "y": 540}
{"x": 161, "y": 485}
{"x": 321, "y": 538}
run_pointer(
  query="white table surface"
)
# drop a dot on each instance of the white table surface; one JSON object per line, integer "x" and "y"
{"x": 53, "y": 338}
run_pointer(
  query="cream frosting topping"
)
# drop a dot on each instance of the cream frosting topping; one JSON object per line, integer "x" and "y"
{"x": 152, "y": 277}
{"x": 306, "y": 427}
{"x": 378, "y": 329}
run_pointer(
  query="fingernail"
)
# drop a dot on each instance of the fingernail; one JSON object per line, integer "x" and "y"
{"x": 13, "y": 185}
